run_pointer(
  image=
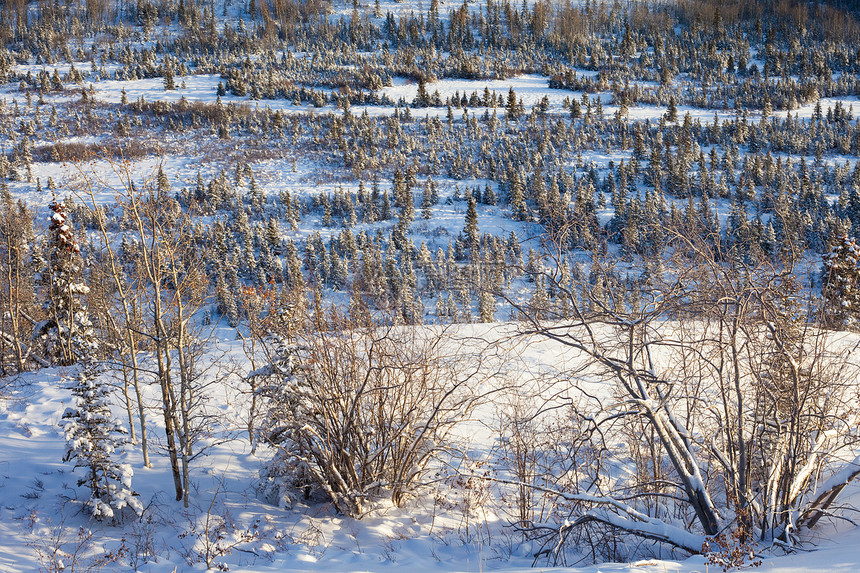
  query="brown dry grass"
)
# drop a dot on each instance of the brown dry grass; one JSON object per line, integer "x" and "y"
{"x": 75, "y": 152}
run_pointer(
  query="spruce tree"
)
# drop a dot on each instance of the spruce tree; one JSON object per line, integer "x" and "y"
{"x": 92, "y": 438}
{"x": 519, "y": 209}
{"x": 427, "y": 201}
{"x": 67, "y": 335}
{"x": 841, "y": 283}
{"x": 471, "y": 228}
{"x": 672, "y": 111}
{"x": 487, "y": 307}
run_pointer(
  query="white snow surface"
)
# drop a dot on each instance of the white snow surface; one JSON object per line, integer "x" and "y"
{"x": 530, "y": 88}
{"x": 40, "y": 503}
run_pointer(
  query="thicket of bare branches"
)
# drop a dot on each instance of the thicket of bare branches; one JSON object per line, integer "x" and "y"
{"x": 358, "y": 411}
{"x": 731, "y": 420}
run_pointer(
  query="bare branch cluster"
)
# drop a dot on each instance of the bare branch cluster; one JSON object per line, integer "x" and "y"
{"x": 731, "y": 414}
{"x": 356, "y": 411}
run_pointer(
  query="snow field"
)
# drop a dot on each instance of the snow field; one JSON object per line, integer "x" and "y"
{"x": 433, "y": 533}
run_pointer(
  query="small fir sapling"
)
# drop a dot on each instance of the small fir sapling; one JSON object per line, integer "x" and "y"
{"x": 841, "y": 283}
{"x": 93, "y": 437}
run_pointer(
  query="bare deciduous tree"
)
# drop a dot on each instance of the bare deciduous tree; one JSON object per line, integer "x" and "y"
{"x": 18, "y": 307}
{"x": 159, "y": 287}
{"x": 732, "y": 409}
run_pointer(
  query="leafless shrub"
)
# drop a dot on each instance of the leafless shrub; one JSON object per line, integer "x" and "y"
{"x": 217, "y": 535}
{"x": 356, "y": 411}
{"x": 67, "y": 549}
{"x": 730, "y": 412}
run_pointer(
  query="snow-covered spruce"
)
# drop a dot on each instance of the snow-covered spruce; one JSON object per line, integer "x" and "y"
{"x": 840, "y": 277}
{"x": 67, "y": 334}
{"x": 93, "y": 437}
{"x": 280, "y": 384}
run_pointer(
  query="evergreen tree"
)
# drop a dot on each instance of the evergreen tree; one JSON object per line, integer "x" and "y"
{"x": 169, "y": 81}
{"x": 539, "y": 303}
{"x": 385, "y": 212}
{"x": 92, "y": 439}
{"x": 67, "y": 335}
{"x": 422, "y": 99}
{"x": 486, "y": 307}
{"x": 489, "y": 197}
{"x": 841, "y": 283}
{"x": 471, "y": 229}
{"x": 519, "y": 209}
{"x": 512, "y": 107}
{"x": 672, "y": 111}
{"x": 427, "y": 200}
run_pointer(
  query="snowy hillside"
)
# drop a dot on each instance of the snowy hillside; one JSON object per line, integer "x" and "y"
{"x": 450, "y": 526}
{"x": 479, "y": 285}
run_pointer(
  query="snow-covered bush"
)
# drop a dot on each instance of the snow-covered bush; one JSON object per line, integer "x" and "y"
{"x": 356, "y": 412}
{"x": 92, "y": 439}
{"x": 731, "y": 418}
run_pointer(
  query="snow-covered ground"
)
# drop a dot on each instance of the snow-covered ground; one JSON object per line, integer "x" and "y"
{"x": 41, "y": 520}
{"x": 530, "y": 88}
